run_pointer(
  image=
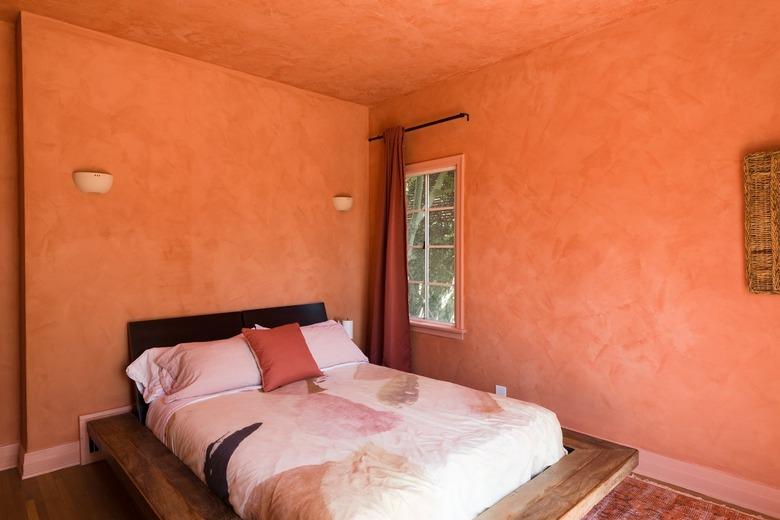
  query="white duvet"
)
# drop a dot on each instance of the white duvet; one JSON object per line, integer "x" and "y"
{"x": 361, "y": 442}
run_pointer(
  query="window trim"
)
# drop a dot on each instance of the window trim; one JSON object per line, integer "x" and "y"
{"x": 457, "y": 330}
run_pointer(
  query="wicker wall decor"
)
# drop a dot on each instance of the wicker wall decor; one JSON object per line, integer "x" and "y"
{"x": 762, "y": 222}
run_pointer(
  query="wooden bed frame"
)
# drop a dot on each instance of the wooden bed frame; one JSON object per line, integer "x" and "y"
{"x": 165, "y": 488}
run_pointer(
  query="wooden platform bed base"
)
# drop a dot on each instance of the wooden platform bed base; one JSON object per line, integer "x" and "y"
{"x": 165, "y": 488}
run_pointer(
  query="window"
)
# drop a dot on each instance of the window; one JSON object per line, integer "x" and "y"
{"x": 433, "y": 245}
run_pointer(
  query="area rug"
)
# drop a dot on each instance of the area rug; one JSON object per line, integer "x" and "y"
{"x": 636, "y": 499}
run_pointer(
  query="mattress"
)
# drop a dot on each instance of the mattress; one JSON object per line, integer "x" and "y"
{"x": 362, "y": 441}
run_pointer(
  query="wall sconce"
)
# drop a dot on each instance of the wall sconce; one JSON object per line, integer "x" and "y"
{"x": 93, "y": 182}
{"x": 342, "y": 202}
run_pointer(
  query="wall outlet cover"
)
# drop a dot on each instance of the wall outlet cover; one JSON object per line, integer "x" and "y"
{"x": 501, "y": 390}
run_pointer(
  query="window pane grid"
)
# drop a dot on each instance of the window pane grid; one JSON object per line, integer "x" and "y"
{"x": 427, "y": 250}
{"x": 431, "y": 293}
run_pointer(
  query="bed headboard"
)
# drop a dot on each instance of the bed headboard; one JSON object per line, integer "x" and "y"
{"x": 142, "y": 335}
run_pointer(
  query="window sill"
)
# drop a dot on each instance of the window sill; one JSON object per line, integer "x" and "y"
{"x": 444, "y": 331}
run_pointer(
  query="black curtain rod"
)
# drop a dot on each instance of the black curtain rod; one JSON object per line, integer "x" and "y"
{"x": 429, "y": 123}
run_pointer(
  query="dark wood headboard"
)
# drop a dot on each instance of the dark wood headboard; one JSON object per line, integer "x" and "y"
{"x": 167, "y": 332}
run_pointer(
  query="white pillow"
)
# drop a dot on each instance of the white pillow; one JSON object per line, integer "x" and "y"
{"x": 207, "y": 367}
{"x": 146, "y": 373}
{"x": 330, "y": 345}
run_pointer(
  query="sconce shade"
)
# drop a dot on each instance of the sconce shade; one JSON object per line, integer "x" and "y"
{"x": 93, "y": 182}
{"x": 342, "y": 202}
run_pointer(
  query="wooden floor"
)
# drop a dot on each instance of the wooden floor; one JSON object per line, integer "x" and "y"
{"x": 81, "y": 492}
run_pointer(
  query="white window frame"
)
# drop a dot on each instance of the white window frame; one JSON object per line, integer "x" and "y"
{"x": 436, "y": 328}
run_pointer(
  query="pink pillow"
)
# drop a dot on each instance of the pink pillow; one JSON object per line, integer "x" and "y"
{"x": 330, "y": 345}
{"x": 207, "y": 367}
{"x": 282, "y": 355}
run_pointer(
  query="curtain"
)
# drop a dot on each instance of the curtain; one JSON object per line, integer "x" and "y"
{"x": 390, "y": 337}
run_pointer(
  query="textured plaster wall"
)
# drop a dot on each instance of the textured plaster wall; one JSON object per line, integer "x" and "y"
{"x": 9, "y": 241}
{"x": 603, "y": 231}
{"x": 221, "y": 201}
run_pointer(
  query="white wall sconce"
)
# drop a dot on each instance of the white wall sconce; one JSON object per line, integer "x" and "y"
{"x": 93, "y": 182}
{"x": 342, "y": 202}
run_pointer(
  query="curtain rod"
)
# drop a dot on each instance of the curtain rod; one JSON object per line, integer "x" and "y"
{"x": 429, "y": 123}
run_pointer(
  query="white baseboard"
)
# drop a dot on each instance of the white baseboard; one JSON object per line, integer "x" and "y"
{"x": 711, "y": 482}
{"x": 38, "y": 462}
{"x": 9, "y": 456}
{"x": 85, "y": 456}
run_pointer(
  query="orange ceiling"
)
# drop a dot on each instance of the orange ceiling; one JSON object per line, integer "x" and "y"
{"x": 359, "y": 50}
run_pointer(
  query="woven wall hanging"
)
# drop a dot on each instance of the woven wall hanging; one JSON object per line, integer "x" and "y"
{"x": 762, "y": 222}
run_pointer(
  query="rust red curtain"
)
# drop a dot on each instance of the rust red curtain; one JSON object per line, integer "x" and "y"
{"x": 390, "y": 337}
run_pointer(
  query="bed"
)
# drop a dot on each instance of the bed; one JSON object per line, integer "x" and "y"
{"x": 361, "y": 441}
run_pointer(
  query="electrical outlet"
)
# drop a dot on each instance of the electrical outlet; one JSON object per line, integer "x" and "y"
{"x": 501, "y": 390}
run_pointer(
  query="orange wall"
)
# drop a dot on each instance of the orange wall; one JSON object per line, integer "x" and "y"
{"x": 9, "y": 241}
{"x": 221, "y": 201}
{"x": 604, "y": 239}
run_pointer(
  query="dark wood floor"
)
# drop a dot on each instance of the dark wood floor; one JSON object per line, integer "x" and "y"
{"x": 81, "y": 492}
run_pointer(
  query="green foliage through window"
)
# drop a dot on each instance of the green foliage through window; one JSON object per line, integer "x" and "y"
{"x": 430, "y": 251}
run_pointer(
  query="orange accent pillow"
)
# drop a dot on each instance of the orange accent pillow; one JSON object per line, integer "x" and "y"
{"x": 282, "y": 355}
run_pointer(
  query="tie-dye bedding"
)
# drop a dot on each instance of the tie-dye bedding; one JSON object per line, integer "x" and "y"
{"x": 363, "y": 441}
